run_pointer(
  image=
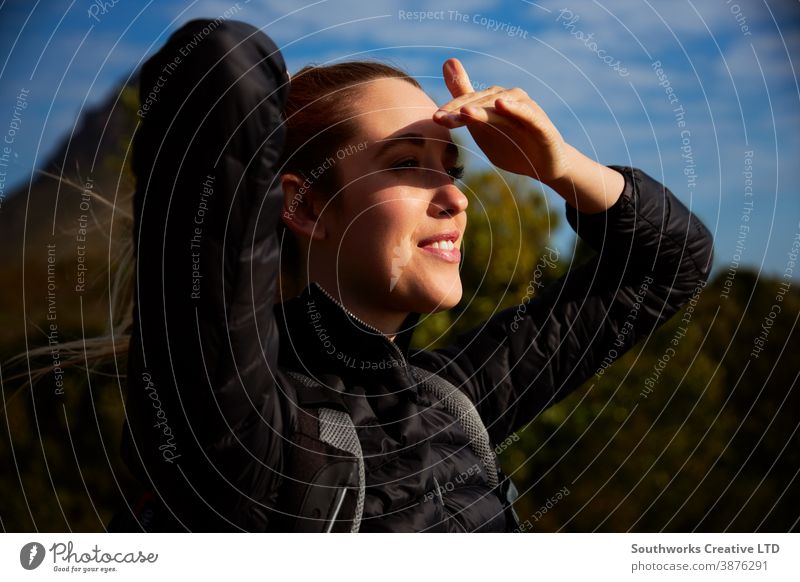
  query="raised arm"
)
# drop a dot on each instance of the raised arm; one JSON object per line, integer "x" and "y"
{"x": 201, "y": 394}
{"x": 653, "y": 254}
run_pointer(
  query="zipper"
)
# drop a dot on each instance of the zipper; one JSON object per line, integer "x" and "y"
{"x": 397, "y": 351}
{"x": 445, "y": 509}
{"x": 336, "y": 511}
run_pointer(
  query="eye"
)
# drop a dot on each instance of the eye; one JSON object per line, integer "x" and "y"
{"x": 456, "y": 173}
{"x": 406, "y": 164}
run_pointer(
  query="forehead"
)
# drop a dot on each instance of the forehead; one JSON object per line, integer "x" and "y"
{"x": 387, "y": 107}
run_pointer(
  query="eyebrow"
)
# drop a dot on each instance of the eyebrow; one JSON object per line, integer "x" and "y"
{"x": 416, "y": 139}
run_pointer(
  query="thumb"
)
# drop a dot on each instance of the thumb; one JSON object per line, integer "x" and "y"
{"x": 456, "y": 78}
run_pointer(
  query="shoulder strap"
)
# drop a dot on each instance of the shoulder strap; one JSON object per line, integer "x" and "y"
{"x": 336, "y": 428}
{"x": 461, "y": 407}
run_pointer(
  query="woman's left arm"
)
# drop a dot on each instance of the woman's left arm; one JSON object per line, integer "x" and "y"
{"x": 653, "y": 254}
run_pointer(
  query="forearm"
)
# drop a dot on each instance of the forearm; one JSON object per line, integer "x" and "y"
{"x": 587, "y": 185}
{"x": 647, "y": 230}
{"x": 652, "y": 256}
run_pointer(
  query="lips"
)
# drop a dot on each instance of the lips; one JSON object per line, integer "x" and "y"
{"x": 443, "y": 246}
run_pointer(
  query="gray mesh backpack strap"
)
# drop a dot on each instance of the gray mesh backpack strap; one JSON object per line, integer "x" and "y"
{"x": 461, "y": 407}
{"x": 336, "y": 428}
{"x": 325, "y": 484}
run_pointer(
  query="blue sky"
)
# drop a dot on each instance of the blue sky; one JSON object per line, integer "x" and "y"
{"x": 731, "y": 66}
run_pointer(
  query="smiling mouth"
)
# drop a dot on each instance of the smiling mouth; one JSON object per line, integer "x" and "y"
{"x": 442, "y": 246}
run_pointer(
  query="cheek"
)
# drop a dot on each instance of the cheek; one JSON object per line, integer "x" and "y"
{"x": 382, "y": 232}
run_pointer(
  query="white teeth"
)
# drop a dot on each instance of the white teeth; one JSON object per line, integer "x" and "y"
{"x": 445, "y": 245}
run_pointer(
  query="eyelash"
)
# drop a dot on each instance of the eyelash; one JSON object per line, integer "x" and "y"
{"x": 456, "y": 172}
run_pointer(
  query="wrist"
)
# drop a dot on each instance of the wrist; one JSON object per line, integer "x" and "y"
{"x": 585, "y": 184}
{"x": 570, "y": 158}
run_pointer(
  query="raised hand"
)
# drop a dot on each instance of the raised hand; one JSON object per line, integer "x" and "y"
{"x": 517, "y": 136}
{"x": 511, "y": 129}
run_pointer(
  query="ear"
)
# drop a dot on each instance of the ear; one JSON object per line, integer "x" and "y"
{"x": 301, "y": 209}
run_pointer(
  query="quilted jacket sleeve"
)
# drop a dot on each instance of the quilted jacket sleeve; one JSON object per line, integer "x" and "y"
{"x": 203, "y": 414}
{"x": 653, "y": 254}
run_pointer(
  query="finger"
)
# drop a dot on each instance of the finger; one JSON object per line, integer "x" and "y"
{"x": 520, "y": 112}
{"x": 488, "y": 116}
{"x": 450, "y": 113}
{"x": 453, "y": 106}
{"x": 458, "y": 117}
{"x": 473, "y": 116}
{"x": 456, "y": 78}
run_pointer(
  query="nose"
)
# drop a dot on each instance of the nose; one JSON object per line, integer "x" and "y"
{"x": 448, "y": 201}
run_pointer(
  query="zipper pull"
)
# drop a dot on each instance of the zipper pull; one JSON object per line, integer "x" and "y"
{"x": 438, "y": 490}
{"x": 342, "y": 493}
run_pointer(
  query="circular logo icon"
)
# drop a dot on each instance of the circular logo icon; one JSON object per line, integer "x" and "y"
{"x": 31, "y": 555}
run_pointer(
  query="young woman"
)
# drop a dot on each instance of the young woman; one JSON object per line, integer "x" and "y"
{"x": 338, "y": 193}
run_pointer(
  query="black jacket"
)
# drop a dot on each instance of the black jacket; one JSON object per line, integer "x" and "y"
{"x": 215, "y": 422}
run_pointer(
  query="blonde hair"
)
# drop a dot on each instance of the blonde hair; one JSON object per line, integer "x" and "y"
{"x": 89, "y": 352}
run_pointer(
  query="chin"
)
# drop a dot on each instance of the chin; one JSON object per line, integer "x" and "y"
{"x": 439, "y": 297}
{"x": 451, "y": 297}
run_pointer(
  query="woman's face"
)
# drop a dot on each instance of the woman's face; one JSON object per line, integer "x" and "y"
{"x": 399, "y": 218}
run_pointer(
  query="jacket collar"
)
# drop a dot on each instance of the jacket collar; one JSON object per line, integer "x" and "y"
{"x": 320, "y": 335}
